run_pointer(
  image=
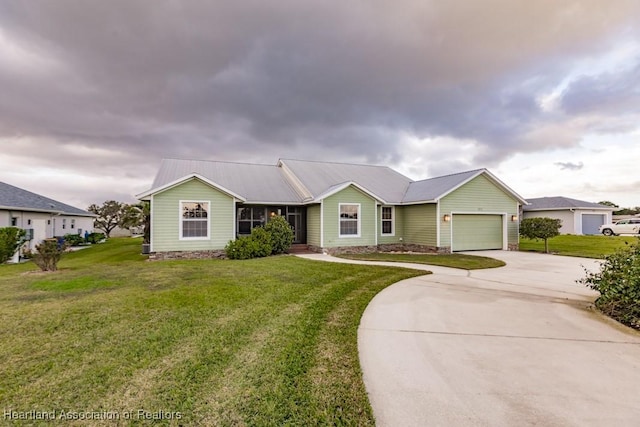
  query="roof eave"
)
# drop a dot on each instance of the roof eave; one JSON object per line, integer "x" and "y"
{"x": 147, "y": 194}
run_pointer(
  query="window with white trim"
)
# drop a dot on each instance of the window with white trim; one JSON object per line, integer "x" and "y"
{"x": 64, "y": 223}
{"x": 73, "y": 224}
{"x": 194, "y": 220}
{"x": 387, "y": 218}
{"x": 349, "y": 220}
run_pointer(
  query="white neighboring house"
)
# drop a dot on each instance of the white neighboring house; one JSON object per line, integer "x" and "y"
{"x": 578, "y": 217}
{"x": 40, "y": 216}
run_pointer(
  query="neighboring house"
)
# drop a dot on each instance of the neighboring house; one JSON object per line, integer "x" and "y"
{"x": 578, "y": 216}
{"x": 40, "y": 216}
{"x": 197, "y": 207}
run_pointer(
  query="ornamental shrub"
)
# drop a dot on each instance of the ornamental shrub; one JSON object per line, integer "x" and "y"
{"x": 73, "y": 239}
{"x": 95, "y": 237}
{"x": 618, "y": 282}
{"x": 540, "y": 228}
{"x": 281, "y": 234}
{"x": 256, "y": 245}
{"x": 47, "y": 254}
{"x": 10, "y": 240}
{"x": 262, "y": 239}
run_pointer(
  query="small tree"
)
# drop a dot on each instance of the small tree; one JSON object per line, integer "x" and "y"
{"x": 47, "y": 254}
{"x": 281, "y": 234}
{"x": 110, "y": 215}
{"x": 540, "y": 228}
{"x": 10, "y": 240}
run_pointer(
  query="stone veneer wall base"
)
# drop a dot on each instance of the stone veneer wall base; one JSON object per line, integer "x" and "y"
{"x": 162, "y": 256}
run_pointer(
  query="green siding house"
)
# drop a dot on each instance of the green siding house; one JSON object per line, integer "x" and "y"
{"x": 197, "y": 207}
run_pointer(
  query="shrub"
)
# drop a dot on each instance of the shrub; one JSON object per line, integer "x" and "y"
{"x": 73, "y": 239}
{"x": 618, "y": 282}
{"x": 242, "y": 248}
{"x": 10, "y": 240}
{"x": 281, "y": 234}
{"x": 540, "y": 228}
{"x": 95, "y": 237}
{"x": 256, "y": 245}
{"x": 47, "y": 254}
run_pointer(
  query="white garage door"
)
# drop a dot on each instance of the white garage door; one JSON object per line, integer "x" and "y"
{"x": 476, "y": 232}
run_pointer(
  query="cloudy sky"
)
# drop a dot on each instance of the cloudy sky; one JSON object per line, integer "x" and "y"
{"x": 545, "y": 93}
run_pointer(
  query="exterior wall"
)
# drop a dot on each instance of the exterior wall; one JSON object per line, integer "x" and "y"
{"x": 367, "y": 219}
{"x": 398, "y": 235}
{"x": 313, "y": 225}
{"x": 479, "y": 196}
{"x": 165, "y": 219}
{"x": 569, "y": 225}
{"x": 81, "y": 223}
{"x": 419, "y": 224}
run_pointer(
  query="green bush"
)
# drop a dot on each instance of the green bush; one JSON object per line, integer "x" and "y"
{"x": 10, "y": 240}
{"x": 73, "y": 239}
{"x": 540, "y": 228}
{"x": 256, "y": 245}
{"x": 281, "y": 234}
{"x": 242, "y": 248}
{"x": 618, "y": 282}
{"x": 95, "y": 237}
{"x": 47, "y": 254}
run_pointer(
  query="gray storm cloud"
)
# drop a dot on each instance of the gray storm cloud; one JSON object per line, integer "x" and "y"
{"x": 328, "y": 80}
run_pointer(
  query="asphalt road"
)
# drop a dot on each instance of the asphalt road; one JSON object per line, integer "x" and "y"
{"x": 513, "y": 346}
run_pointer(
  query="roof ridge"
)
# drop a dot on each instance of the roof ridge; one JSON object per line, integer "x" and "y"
{"x": 451, "y": 174}
{"x": 218, "y": 161}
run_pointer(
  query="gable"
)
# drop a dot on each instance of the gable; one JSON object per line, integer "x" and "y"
{"x": 480, "y": 194}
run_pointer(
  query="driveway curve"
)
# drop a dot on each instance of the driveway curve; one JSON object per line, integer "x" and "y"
{"x": 516, "y": 345}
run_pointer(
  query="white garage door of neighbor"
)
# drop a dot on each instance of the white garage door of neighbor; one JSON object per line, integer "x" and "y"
{"x": 476, "y": 232}
{"x": 591, "y": 223}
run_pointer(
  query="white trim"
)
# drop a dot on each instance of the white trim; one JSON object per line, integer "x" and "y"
{"x": 505, "y": 227}
{"x": 579, "y": 229}
{"x": 438, "y": 227}
{"x": 339, "y": 187}
{"x": 151, "y": 224}
{"x": 297, "y": 185}
{"x": 170, "y": 185}
{"x": 322, "y": 224}
{"x": 358, "y": 223}
{"x": 180, "y": 219}
{"x": 393, "y": 221}
{"x": 234, "y": 219}
{"x": 375, "y": 222}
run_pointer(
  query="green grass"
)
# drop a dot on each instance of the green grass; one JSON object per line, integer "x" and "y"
{"x": 270, "y": 341}
{"x": 580, "y": 246}
{"x": 465, "y": 262}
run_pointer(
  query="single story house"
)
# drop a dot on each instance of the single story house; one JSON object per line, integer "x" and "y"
{"x": 41, "y": 216}
{"x": 197, "y": 207}
{"x": 578, "y": 217}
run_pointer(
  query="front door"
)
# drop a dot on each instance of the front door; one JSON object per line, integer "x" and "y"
{"x": 295, "y": 219}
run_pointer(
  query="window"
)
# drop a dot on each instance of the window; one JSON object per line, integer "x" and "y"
{"x": 14, "y": 221}
{"x": 388, "y": 220}
{"x": 249, "y": 218}
{"x": 194, "y": 221}
{"x": 73, "y": 224}
{"x": 28, "y": 222}
{"x": 349, "y": 220}
{"x": 64, "y": 223}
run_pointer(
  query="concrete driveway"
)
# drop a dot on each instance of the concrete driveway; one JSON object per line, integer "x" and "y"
{"x": 517, "y": 345}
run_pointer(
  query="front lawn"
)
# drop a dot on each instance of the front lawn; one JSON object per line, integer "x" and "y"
{"x": 268, "y": 341}
{"x": 580, "y": 246}
{"x": 465, "y": 262}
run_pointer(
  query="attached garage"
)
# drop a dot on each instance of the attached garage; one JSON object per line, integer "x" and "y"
{"x": 591, "y": 223}
{"x": 473, "y": 232}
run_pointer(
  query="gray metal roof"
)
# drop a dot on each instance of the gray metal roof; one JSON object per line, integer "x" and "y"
{"x": 559, "y": 202}
{"x": 301, "y": 181}
{"x": 12, "y": 197}
{"x": 256, "y": 183}
{"x": 319, "y": 177}
{"x": 434, "y": 188}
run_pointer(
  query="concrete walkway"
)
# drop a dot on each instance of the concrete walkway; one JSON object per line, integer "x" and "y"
{"x": 517, "y": 345}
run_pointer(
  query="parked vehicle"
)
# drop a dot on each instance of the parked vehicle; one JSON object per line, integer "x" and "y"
{"x": 624, "y": 226}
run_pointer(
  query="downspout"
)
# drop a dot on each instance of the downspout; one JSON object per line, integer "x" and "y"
{"x": 151, "y": 225}
{"x": 375, "y": 222}
{"x": 438, "y": 224}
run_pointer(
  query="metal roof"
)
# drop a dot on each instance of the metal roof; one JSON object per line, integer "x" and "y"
{"x": 303, "y": 181}
{"x": 256, "y": 183}
{"x": 434, "y": 188}
{"x": 559, "y": 203}
{"x": 320, "y": 177}
{"x": 14, "y": 198}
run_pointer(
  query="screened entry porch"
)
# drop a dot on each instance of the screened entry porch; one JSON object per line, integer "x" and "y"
{"x": 250, "y": 216}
